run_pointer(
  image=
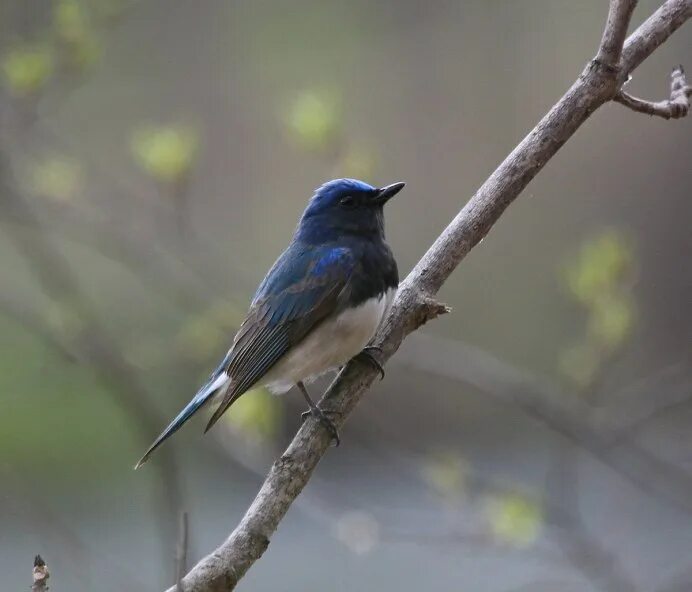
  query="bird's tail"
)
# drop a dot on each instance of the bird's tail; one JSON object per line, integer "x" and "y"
{"x": 218, "y": 381}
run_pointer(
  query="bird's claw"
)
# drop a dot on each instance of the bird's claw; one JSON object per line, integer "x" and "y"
{"x": 321, "y": 416}
{"x": 368, "y": 356}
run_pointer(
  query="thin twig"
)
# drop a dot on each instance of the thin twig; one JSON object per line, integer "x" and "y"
{"x": 619, "y": 16}
{"x": 40, "y": 575}
{"x": 674, "y": 108}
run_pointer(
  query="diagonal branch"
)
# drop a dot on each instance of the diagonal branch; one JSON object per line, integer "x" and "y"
{"x": 652, "y": 33}
{"x": 221, "y": 570}
{"x": 677, "y": 106}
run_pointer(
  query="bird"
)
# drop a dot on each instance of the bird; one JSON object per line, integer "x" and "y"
{"x": 318, "y": 307}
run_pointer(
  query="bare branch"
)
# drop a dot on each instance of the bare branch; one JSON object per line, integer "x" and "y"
{"x": 619, "y": 16}
{"x": 40, "y": 575}
{"x": 223, "y": 568}
{"x": 674, "y": 108}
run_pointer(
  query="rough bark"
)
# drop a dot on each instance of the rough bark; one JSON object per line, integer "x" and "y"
{"x": 674, "y": 108}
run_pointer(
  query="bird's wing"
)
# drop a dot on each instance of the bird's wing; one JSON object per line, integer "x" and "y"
{"x": 305, "y": 285}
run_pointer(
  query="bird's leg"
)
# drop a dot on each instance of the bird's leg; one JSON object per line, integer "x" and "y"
{"x": 368, "y": 356}
{"x": 316, "y": 412}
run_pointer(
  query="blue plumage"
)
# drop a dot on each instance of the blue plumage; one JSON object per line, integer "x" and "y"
{"x": 318, "y": 306}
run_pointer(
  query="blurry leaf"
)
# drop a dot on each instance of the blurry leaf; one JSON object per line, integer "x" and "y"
{"x": 444, "y": 472}
{"x": 75, "y": 33}
{"x": 611, "y": 320}
{"x": 70, "y": 19}
{"x": 313, "y": 120}
{"x": 580, "y": 364}
{"x": 514, "y": 519}
{"x": 600, "y": 265}
{"x": 57, "y": 178}
{"x": 598, "y": 278}
{"x": 207, "y": 335}
{"x": 167, "y": 153}
{"x": 359, "y": 531}
{"x": 27, "y": 69}
{"x": 256, "y": 413}
{"x": 358, "y": 164}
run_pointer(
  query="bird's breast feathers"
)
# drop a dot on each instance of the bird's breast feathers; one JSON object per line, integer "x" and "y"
{"x": 331, "y": 344}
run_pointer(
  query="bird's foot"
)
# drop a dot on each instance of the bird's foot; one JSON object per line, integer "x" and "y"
{"x": 321, "y": 416}
{"x": 368, "y": 356}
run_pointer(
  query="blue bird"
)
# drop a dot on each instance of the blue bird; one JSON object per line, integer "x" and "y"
{"x": 319, "y": 306}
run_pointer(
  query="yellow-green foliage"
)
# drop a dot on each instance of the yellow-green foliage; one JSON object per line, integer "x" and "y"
{"x": 75, "y": 34}
{"x": 27, "y": 70}
{"x": 167, "y": 153}
{"x": 600, "y": 267}
{"x": 611, "y": 319}
{"x": 57, "y": 178}
{"x": 314, "y": 121}
{"x": 444, "y": 472}
{"x": 599, "y": 278}
{"x": 70, "y": 19}
{"x": 514, "y": 519}
{"x": 256, "y": 414}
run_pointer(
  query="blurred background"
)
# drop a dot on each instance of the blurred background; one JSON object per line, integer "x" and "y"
{"x": 154, "y": 158}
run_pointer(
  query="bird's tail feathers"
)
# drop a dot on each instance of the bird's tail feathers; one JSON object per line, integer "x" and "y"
{"x": 219, "y": 381}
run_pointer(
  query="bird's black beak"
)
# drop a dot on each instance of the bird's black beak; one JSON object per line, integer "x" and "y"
{"x": 386, "y": 193}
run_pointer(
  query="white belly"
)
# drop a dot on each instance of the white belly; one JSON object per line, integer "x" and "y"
{"x": 330, "y": 345}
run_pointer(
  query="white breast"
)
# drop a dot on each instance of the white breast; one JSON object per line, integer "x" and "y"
{"x": 330, "y": 345}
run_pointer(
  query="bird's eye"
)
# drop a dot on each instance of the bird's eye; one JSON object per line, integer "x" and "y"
{"x": 347, "y": 202}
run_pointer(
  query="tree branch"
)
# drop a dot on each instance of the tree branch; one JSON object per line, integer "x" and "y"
{"x": 677, "y": 106}
{"x": 619, "y": 16}
{"x": 223, "y": 568}
{"x": 652, "y": 33}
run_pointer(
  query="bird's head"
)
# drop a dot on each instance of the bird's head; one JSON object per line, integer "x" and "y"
{"x": 346, "y": 206}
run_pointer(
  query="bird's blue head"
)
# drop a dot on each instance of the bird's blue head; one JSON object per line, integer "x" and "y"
{"x": 345, "y": 207}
